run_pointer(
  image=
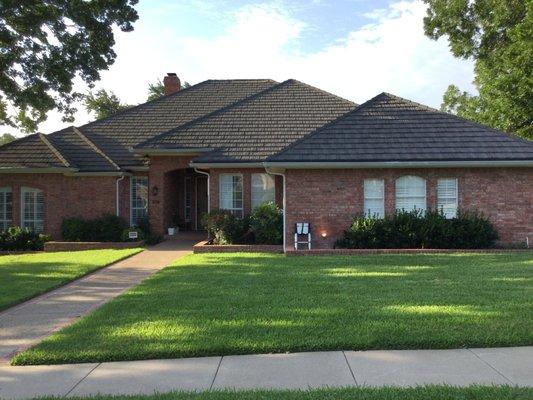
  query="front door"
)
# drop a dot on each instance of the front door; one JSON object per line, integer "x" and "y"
{"x": 201, "y": 199}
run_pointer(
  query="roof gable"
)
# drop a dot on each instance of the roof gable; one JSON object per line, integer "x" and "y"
{"x": 29, "y": 152}
{"x": 390, "y": 128}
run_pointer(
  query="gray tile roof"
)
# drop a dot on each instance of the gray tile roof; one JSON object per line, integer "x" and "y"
{"x": 259, "y": 126}
{"x": 29, "y": 152}
{"x": 389, "y": 128}
{"x": 117, "y": 134}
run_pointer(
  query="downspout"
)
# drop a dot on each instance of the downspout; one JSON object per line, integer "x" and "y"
{"x": 284, "y": 206}
{"x": 117, "y": 182}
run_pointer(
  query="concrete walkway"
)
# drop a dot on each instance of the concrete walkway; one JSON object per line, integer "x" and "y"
{"x": 462, "y": 367}
{"x": 28, "y": 323}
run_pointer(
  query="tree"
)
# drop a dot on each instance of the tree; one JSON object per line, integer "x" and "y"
{"x": 103, "y": 104}
{"x": 497, "y": 35}
{"x": 45, "y": 44}
{"x": 156, "y": 90}
{"x": 6, "y": 138}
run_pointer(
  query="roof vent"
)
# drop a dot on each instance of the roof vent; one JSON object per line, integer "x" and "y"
{"x": 172, "y": 83}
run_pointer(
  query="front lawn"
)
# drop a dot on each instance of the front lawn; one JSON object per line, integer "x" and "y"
{"x": 27, "y": 275}
{"x": 218, "y": 304}
{"x": 417, "y": 393}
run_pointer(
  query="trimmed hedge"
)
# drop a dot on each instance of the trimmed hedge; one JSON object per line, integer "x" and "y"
{"x": 263, "y": 226}
{"x": 108, "y": 228}
{"x": 19, "y": 239}
{"x": 430, "y": 230}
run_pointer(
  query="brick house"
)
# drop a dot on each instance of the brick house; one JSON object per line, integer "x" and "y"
{"x": 233, "y": 144}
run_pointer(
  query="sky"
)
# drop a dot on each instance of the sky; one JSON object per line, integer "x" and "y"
{"x": 353, "y": 48}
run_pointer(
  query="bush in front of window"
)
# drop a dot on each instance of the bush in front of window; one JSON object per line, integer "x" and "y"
{"x": 225, "y": 228}
{"x": 266, "y": 223}
{"x": 416, "y": 229}
{"x": 21, "y": 239}
{"x": 107, "y": 228}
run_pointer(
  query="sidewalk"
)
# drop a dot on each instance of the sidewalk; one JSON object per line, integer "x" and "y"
{"x": 462, "y": 367}
{"x": 28, "y": 323}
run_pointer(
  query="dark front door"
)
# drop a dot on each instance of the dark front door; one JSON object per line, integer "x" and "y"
{"x": 201, "y": 199}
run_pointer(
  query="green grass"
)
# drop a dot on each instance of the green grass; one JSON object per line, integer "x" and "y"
{"x": 219, "y": 304}
{"x": 417, "y": 393}
{"x": 27, "y": 275}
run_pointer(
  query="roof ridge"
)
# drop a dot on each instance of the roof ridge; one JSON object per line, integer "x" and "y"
{"x": 320, "y": 90}
{"x": 56, "y": 152}
{"x": 510, "y": 135}
{"x": 213, "y": 113}
{"x": 95, "y": 147}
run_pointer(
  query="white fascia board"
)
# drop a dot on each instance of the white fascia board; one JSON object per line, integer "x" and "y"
{"x": 51, "y": 170}
{"x": 398, "y": 164}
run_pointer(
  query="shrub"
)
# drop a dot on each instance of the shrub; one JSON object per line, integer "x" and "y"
{"x": 18, "y": 239}
{"x": 108, "y": 228}
{"x": 226, "y": 228}
{"x": 420, "y": 230}
{"x": 266, "y": 223}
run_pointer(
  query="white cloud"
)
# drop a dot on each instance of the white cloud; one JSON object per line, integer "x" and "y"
{"x": 390, "y": 53}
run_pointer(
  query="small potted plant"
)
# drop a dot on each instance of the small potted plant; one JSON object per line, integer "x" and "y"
{"x": 172, "y": 230}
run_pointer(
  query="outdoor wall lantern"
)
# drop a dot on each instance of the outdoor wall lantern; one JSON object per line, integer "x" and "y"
{"x": 324, "y": 234}
{"x": 155, "y": 190}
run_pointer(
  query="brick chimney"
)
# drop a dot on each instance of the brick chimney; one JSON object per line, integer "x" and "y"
{"x": 172, "y": 83}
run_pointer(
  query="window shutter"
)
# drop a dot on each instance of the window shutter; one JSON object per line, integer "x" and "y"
{"x": 6, "y": 208}
{"x": 411, "y": 193}
{"x": 32, "y": 209}
{"x": 230, "y": 193}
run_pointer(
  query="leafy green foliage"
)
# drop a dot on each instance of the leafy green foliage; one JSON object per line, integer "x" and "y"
{"x": 103, "y": 104}
{"x": 410, "y": 230}
{"x": 6, "y": 138}
{"x": 266, "y": 223}
{"x": 21, "y": 239}
{"x": 24, "y": 276}
{"x": 126, "y": 234}
{"x": 244, "y": 303}
{"x": 497, "y": 35}
{"x": 224, "y": 227}
{"x": 44, "y": 45}
{"x": 108, "y": 228}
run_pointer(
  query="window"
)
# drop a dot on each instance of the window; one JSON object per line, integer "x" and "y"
{"x": 6, "y": 208}
{"x": 447, "y": 197}
{"x": 374, "y": 198}
{"x": 32, "y": 209}
{"x": 139, "y": 199}
{"x": 263, "y": 189}
{"x": 410, "y": 193}
{"x": 231, "y": 193}
{"x": 188, "y": 192}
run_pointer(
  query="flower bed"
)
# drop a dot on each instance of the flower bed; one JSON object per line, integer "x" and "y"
{"x": 79, "y": 246}
{"x": 206, "y": 247}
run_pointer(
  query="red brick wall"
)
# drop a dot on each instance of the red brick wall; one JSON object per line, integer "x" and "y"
{"x": 247, "y": 183}
{"x": 329, "y": 199}
{"x": 67, "y": 196}
{"x": 163, "y": 201}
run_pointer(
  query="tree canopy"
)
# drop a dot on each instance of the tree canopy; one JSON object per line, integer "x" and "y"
{"x": 6, "y": 138}
{"x": 45, "y": 45}
{"x": 103, "y": 103}
{"x": 497, "y": 35}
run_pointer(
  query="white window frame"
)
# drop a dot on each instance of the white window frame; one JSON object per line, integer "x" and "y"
{"x": 35, "y": 223}
{"x": 370, "y": 197}
{"x": 399, "y": 199}
{"x": 6, "y": 222}
{"x": 133, "y": 208}
{"x": 442, "y": 199}
{"x": 259, "y": 193}
{"x": 238, "y": 211}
